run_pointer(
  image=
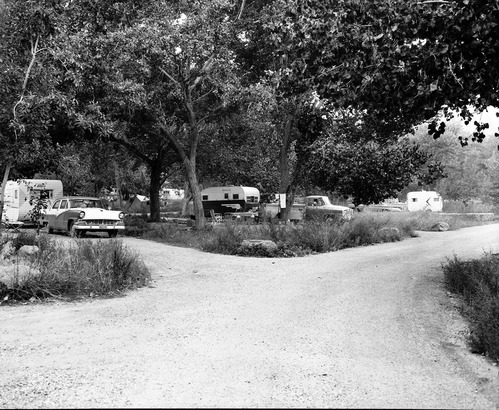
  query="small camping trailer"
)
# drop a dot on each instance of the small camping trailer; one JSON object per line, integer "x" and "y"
{"x": 424, "y": 201}
{"x": 19, "y": 194}
{"x": 223, "y": 199}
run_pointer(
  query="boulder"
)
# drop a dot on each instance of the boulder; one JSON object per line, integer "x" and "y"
{"x": 440, "y": 227}
{"x": 266, "y": 244}
{"x": 16, "y": 275}
{"x": 28, "y": 250}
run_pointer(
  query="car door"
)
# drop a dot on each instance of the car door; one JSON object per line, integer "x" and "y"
{"x": 51, "y": 213}
{"x": 59, "y": 221}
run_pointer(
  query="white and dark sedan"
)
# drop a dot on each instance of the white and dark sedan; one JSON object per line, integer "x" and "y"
{"x": 78, "y": 215}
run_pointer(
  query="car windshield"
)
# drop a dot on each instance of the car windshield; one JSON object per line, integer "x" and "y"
{"x": 85, "y": 203}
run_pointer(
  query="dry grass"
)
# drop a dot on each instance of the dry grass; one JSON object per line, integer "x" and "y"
{"x": 477, "y": 282}
{"x": 84, "y": 268}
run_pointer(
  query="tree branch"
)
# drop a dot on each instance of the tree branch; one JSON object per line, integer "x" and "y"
{"x": 130, "y": 147}
{"x": 169, "y": 76}
{"x": 34, "y": 52}
{"x": 241, "y": 9}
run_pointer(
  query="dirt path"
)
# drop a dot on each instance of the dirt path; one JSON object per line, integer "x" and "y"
{"x": 363, "y": 327}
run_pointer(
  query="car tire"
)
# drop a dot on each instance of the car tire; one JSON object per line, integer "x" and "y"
{"x": 113, "y": 233}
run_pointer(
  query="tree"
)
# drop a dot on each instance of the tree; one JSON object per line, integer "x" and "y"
{"x": 27, "y": 82}
{"x": 400, "y": 62}
{"x": 368, "y": 171}
{"x": 158, "y": 83}
{"x": 395, "y": 64}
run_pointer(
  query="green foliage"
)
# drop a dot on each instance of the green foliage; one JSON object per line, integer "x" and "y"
{"x": 401, "y": 61}
{"x": 477, "y": 281}
{"x": 368, "y": 171}
{"x": 85, "y": 268}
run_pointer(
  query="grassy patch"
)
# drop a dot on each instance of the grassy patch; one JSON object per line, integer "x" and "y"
{"x": 291, "y": 240}
{"x": 70, "y": 270}
{"x": 365, "y": 228}
{"x": 477, "y": 281}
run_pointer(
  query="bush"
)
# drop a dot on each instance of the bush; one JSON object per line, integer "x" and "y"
{"x": 477, "y": 281}
{"x": 136, "y": 225}
{"x": 304, "y": 238}
{"x": 81, "y": 269}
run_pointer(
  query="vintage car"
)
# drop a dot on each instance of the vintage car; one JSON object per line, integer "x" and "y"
{"x": 313, "y": 207}
{"x": 78, "y": 215}
{"x": 319, "y": 206}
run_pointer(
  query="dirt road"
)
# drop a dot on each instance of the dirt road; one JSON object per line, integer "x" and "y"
{"x": 363, "y": 327}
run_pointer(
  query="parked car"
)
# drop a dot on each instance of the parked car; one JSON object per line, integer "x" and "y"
{"x": 312, "y": 207}
{"x": 319, "y": 206}
{"x": 78, "y": 215}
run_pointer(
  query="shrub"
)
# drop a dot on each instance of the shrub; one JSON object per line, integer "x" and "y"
{"x": 477, "y": 281}
{"x": 83, "y": 268}
{"x": 136, "y": 225}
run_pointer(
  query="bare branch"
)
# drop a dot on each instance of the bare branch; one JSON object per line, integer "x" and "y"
{"x": 204, "y": 95}
{"x": 454, "y": 75}
{"x": 34, "y": 52}
{"x": 169, "y": 76}
{"x": 241, "y": 9}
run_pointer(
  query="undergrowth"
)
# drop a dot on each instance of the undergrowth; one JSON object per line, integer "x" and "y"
{"x": 477, "y": 282}
{"x": 70, "y": 270}
{"x": 300, "y": 239}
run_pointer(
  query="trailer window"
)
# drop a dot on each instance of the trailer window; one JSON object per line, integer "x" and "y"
{"x": 15, "y": 194}
{"x": 235, "y": 196}
{"x": 414, "y": 199}
{"x": 226, "y": 195}
{"x": 436, "y": 199}
{"x": 252, "y": 198}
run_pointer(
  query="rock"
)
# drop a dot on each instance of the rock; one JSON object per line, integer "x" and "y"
{"x": 440, "y": 227}
{"x": 263, "y": 243}
{"x": 17, "y": 274}
{"x": 7, "y": 250}
{"x": 28, "y": 250}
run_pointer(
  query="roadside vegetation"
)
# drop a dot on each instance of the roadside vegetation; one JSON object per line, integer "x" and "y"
{"x": 68, "y": 270}
{"x": 300, "y": 239}
{"x": 477, "y": 282}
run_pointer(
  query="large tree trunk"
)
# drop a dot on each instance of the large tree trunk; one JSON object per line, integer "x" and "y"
{"x": 117, "y": 181}
{"x": 284, "y": 168}
{"x": 155, "y": 186}
{"x": 2, "y": 189}
{"x": 192, "y": 179}
{"x": 187, "y": 198}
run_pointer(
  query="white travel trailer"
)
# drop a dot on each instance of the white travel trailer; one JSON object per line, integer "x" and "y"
{"x": 18, "y": 194}
{"x": 424, "y": 201}
{"x": 224, "y": 199}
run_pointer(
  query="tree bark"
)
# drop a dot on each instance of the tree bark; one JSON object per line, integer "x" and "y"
{"x": 2, "y": 189}
{"x": 284, "y": 168}
{"x": 196, "y": 194}
{"x": 154, "y": 187}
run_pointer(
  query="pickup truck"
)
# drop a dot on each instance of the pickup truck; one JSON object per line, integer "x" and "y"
{"x": 308, "y": 208}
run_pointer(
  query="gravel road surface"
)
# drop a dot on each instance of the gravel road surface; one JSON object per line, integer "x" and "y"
{"x": 364, "y": 327}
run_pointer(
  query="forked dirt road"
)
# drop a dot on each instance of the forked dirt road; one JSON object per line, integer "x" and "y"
{"x": 364, "y": 327}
